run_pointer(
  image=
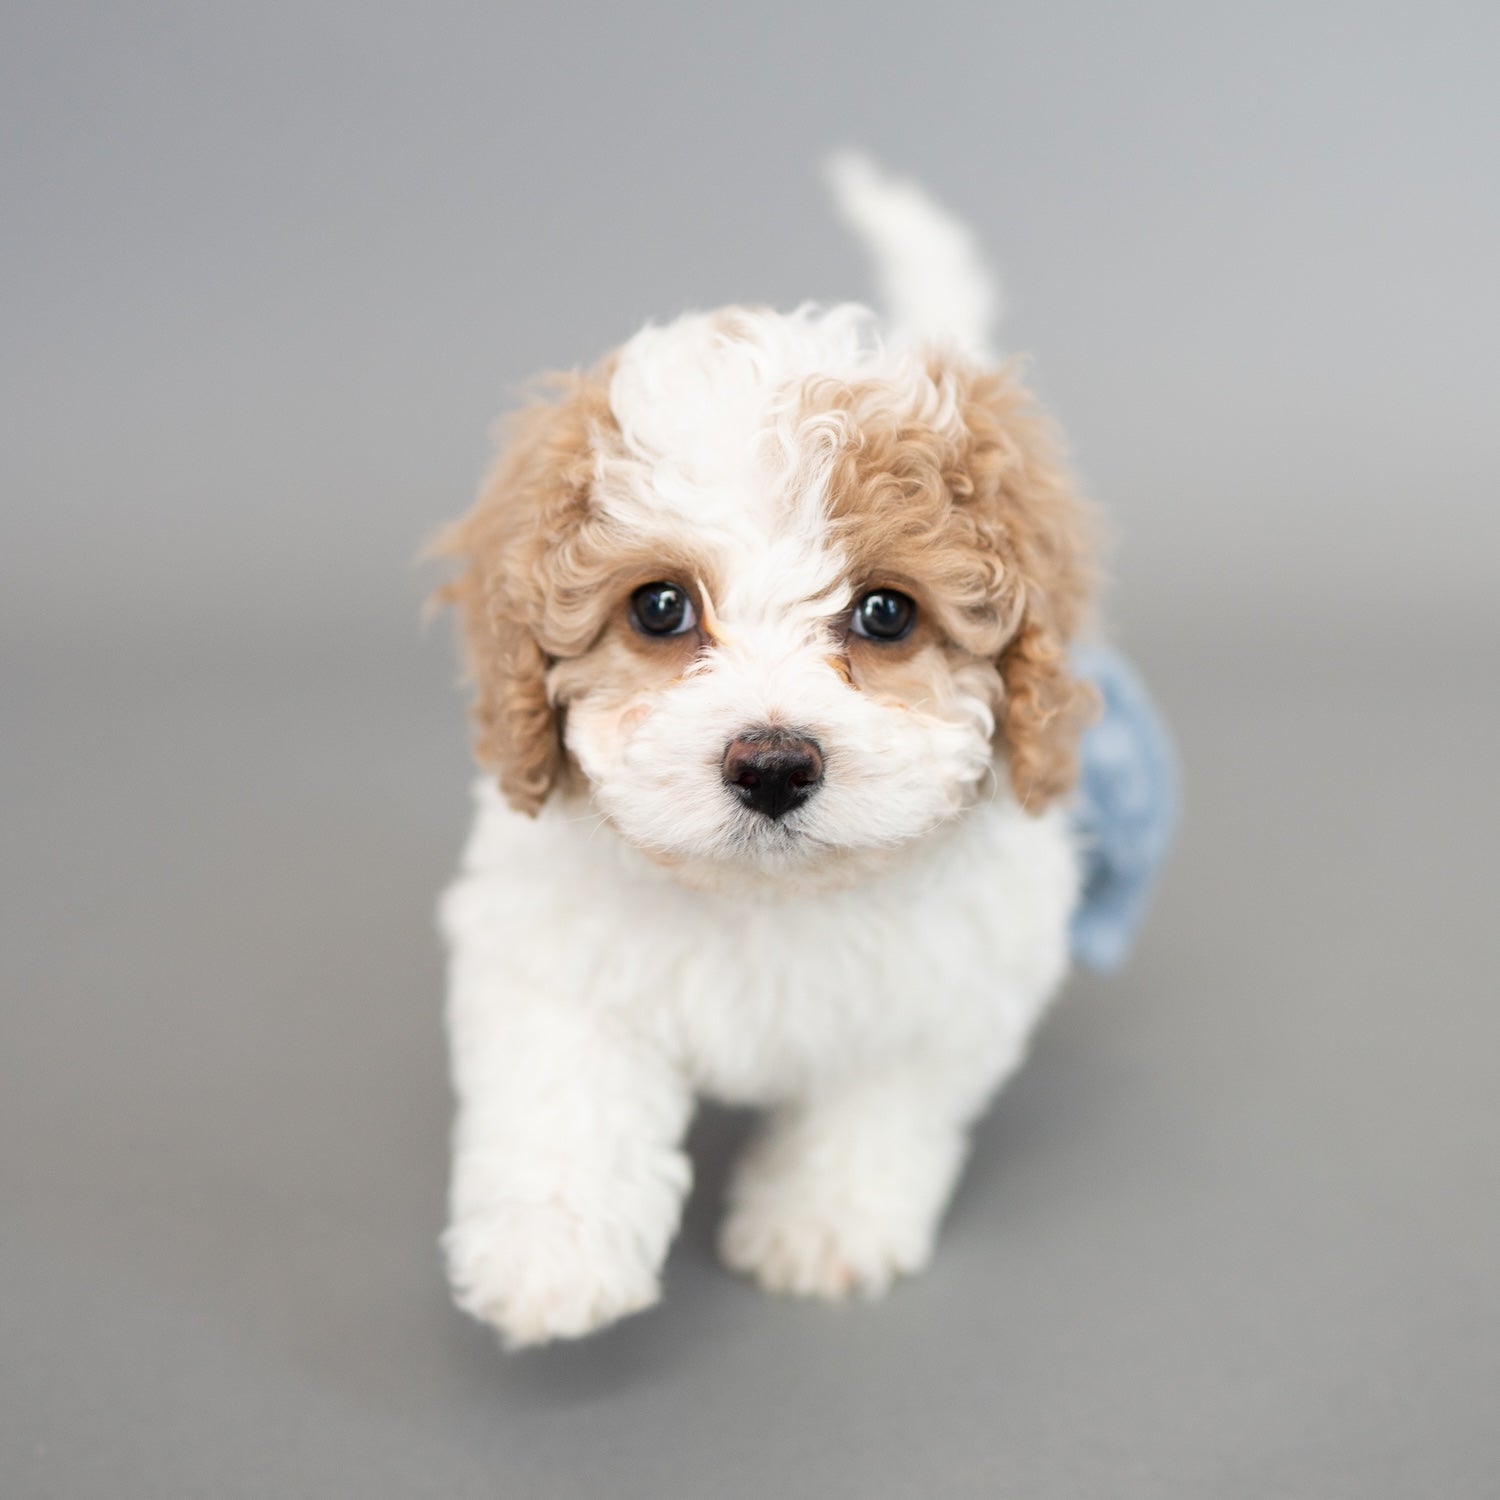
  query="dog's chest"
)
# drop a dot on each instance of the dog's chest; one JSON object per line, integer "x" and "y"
{"x": 757, "y": 998}
{"x": 765, "y": 1003}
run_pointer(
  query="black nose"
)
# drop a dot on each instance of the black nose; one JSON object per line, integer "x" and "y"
{"x": 772, "y": 770}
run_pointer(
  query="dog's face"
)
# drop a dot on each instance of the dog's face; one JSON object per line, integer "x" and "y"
{"x": 774, "y": 598}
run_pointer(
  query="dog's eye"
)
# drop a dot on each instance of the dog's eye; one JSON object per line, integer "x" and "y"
{"x": 662, "y": 609}
{"x": 883, "y": 615}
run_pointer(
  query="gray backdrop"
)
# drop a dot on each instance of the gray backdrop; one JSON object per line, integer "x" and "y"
{"x": 269, "y": 272}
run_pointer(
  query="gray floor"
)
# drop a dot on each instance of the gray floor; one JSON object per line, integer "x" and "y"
{"x": 1234, "y": 1232}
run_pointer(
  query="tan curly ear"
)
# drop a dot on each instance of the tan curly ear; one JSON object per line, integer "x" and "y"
{"x": 536, "y": 496}
{"x": 1046, "y": 711}
{"x": 1044, "y": 536}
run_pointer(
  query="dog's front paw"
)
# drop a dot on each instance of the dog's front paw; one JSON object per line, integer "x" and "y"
{"x": 538, "y": 1272}
{"x": 834, "y": 1247}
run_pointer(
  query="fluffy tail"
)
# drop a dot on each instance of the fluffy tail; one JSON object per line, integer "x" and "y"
{"x": 931, "y": 275}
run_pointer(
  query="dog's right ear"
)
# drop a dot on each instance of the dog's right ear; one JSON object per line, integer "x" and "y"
{"x": 535, "y": 498}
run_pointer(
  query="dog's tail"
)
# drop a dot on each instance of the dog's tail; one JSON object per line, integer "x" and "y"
{"x": 931, "y": 275}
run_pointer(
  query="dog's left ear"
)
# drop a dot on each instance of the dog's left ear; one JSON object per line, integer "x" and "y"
{"x": 1042, "y": 531}
{"x": 517, "y": 596}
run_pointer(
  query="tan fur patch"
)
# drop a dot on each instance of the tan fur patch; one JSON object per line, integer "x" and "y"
{"x": 543, "y": 595}
{"x": 983, "y": 528}
{"x": 529, "y": 589}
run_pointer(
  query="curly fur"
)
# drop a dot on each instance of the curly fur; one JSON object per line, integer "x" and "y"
{"x": 626, "y": 934}
{"x": 526, "y": 593}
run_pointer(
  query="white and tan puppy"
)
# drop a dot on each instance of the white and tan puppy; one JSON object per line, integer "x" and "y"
{"x": 768, "y": 620}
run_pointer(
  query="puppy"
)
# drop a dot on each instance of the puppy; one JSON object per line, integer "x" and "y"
{"x": 768, "y": 620}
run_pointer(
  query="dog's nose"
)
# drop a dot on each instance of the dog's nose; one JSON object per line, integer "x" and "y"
{"x": 773, "y": 770}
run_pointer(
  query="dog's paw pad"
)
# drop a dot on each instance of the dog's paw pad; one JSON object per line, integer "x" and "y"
{"x": 537, "y": 1273}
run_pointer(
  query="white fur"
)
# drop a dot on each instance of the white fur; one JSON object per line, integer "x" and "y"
{"x": 931, "y": 274}
{"x": 868, "y": 969}
{"x": 592, "y": 996}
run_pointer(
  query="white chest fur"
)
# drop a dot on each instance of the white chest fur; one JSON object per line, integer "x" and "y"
{"x": 592, "y": 996}
{"x": 757, "y": 995}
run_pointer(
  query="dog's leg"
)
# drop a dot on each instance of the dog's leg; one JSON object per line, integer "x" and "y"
{"x": 842, "y": 1192}
{"x": 568, "y": 1172}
